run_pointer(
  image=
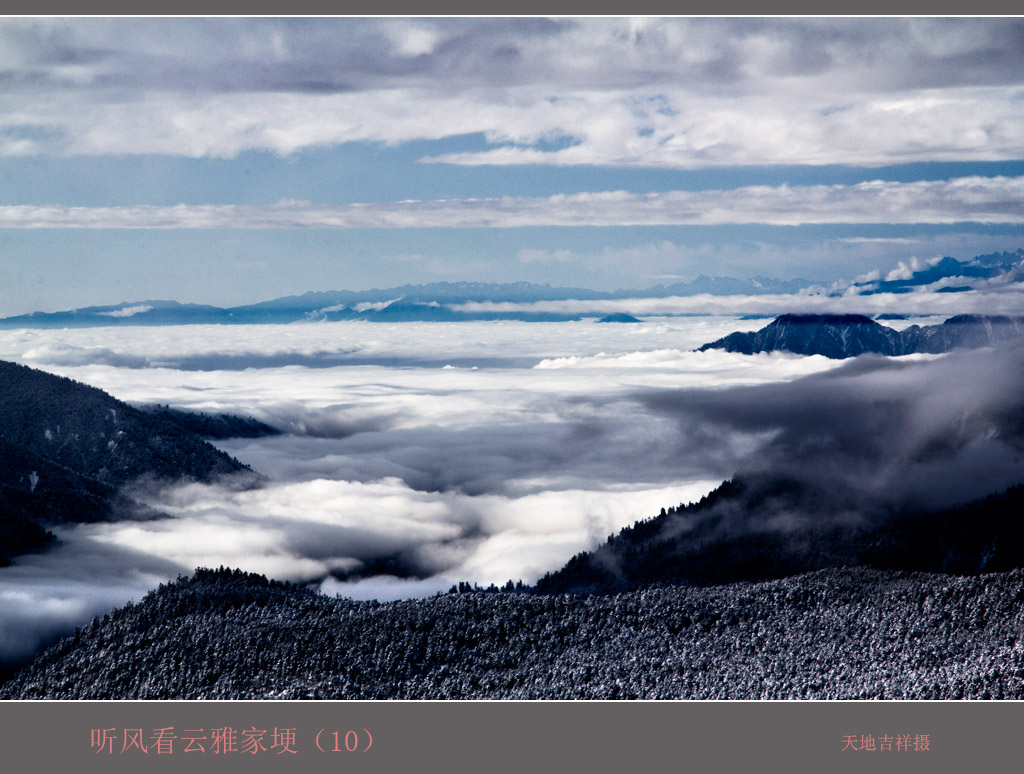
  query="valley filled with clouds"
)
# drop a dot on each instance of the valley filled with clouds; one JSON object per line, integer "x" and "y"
{"x": 421, "y": 200}
{"x": 393, "y": 479}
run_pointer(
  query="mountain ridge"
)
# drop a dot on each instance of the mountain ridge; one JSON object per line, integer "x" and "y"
{"x": 433, "y": 301}
{"x": 418, "y": 302}
{"x": 843, "y": 336}
{"x": 67, "y": 449}
{"x": 726, "y": 537}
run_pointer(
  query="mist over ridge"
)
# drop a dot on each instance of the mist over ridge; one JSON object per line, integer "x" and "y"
{"x": 398, "y": 479}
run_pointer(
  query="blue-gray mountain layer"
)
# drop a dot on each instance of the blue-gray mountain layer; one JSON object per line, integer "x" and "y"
{"x": 434, "y": 302}
{"x": 950, "y": 275}
{"x": 443, "y": 301}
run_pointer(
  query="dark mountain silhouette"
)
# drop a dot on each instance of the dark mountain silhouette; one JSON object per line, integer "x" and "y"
{"x": 831, "y": 335}
{"x": 36, "y": 493}
{"x": 93, "y": 434}
{"x": 67, "y": 448}
{"x": 965, "y": 331}
{"x": 619, "y": 317}
{"x": 216, "y": 426}
{"x": 834, "y": 634}
{"x": 848, "y": 335}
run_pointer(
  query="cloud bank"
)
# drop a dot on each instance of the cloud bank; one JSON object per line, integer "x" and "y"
{"x": 876, "y": 436}
{"x": 388, "y": 481}
{"x": 965, "y": 199}
{"x": 676, "y": 93}
{"x": 998, "y": 299}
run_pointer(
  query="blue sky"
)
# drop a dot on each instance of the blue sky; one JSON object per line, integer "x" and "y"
{"x": 224, "y": 161}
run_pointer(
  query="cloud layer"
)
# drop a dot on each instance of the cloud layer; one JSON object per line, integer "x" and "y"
{"x": 398, "y": 481}
{"x": 389, "y": 481}
{"x": 862, "y": 444}
{"x": 967, "y": 199}
{"x": 680, "y": 93}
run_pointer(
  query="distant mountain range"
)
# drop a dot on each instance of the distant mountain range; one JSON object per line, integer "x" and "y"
{"x": 849, "y": 335}
{"x": 66, "y": 449}
{"x": 444, "y": 301}
{"x": 435, "y": 302}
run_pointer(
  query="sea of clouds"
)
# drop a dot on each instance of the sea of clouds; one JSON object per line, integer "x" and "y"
{"x": 412, "y": 456}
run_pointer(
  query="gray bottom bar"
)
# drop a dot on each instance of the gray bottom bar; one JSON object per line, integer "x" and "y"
{"x": 517, "y": 737}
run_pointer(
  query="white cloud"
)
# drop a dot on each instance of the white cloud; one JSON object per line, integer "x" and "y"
{"x": 679, "y": 93}
{"x": 876, "y": 240}
{"x": 964, "y": 199}
{"x": 546, "y": 256}
{"x": 698, "y": 132}
{"x": 450, "y": 474}
{"x": 994, "y": 299}
{"x": 455, "y": 474}
{"x": 129, "y": 311}
{"x": 148, "y": 361}
{"x": 59, "y": 353}
{"x": 904, "y": 270}
{"x": 651, "y": 128}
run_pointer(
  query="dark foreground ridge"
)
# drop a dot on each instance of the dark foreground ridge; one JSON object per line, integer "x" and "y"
{"x": 848, "y": 335}
{"x": 834, "y": 634}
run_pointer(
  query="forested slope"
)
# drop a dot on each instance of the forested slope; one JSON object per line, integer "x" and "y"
{"x": 758, "y": 528}
{"x": 94, "y": 434}
{"x": 67, "y": 448}
{"x": 835, "y": 634}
